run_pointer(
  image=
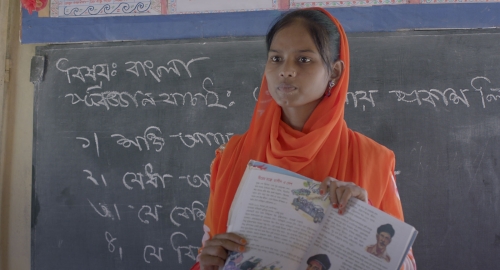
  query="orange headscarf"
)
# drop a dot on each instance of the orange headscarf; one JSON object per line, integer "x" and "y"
{"x": 325, "y": 147}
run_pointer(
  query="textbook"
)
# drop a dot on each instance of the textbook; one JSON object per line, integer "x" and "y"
{"x": 289, "y": 225}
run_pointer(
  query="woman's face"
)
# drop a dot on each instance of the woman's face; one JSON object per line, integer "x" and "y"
{"x": 296, "y": 75}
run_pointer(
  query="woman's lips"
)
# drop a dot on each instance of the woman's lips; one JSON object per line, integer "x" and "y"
{"x": 286, "y": 88}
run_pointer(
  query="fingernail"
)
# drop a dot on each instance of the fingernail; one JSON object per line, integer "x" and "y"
{"x": 340, "y": 211}
{"x": 241, "y": 249}
{"x": 335, "y": 206}
{"x": 321, "y": 192}
{"x": 243, "y": 241}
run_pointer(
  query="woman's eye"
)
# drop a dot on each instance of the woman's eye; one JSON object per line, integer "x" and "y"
{"x": 275, "y": 58}
{"x": 304, "y": 60}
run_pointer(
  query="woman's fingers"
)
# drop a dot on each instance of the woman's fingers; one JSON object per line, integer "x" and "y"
{"x": 334, "y": 196}
{"x": 329, "y": 186}
{"x": 229, "y": 241}
{"x": 221, "y": 243}
{"x": 340, "y": 192}
{"x": 323, "y": 187}
{"x": 215, "y": 250}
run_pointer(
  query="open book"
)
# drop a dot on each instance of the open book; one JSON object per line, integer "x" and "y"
{"x": 289, "y": 225}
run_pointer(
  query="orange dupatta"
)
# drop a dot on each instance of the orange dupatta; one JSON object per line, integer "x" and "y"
{"x": 325, "y": 147}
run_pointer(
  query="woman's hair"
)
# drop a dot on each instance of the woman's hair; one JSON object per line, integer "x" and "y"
{"x": 321, "y": 28}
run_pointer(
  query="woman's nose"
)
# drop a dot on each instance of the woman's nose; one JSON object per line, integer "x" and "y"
{"x": 288, "y": 73}
{"x": 288, "y": 70}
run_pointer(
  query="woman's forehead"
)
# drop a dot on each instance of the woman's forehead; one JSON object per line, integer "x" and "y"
{"x": 296, "y": 36}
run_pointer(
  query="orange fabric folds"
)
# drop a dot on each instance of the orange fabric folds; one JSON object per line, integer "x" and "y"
{"x": 325, "y": 147}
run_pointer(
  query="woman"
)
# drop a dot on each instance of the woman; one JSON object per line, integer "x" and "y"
{"x": 298, "y": 124}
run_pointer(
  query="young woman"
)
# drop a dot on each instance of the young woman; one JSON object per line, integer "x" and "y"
{"x": 298, "y": 124}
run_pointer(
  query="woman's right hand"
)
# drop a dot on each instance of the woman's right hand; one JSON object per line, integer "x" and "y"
{"x": 215, "y": 250}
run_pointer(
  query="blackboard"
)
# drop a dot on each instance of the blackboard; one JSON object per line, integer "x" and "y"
{"x": 124, "y": 134}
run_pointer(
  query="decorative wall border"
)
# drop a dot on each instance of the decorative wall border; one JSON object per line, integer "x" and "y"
{"x": 345, "y": 3}
{"x": 354, "y": 19}
{"x": 456, "y": 1}
{"x": 106, "y": 8}
{"x": 102, "y": 8}
{"x": 172, "y": 8}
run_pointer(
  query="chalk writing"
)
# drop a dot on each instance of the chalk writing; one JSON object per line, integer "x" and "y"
{"x": 196, "y": 181}
{"x": 189, "y": 250}
{"x": 188, "y": 213}
{"x": 150, "y": 134}
{"x": 83, "y": 72}
{"x": 255, "y": 93}
{"x": 153, "y": 250}
{"x": 433, "y": 95}
{"x": 92, "y": 73}
{"x": 110, "y": 239}
{"x": 147, "y": 211}
{"x": 111, "y": 247}
{"x": 105, "y": 210}
{"x": 152, "y": 178}
{"x": 361, "y": 95}
{"x": 94, "y": 97}
{"x": 198, "y": 138}
{"x": 91, "y": 178}
{"x": 174, "y": 98}
{"x": 148, "y": 66}
{"x": 87, "y": 144}
{"x": 489, "y": 97}
{"x": 448, "y": 96}
{"x": 107, "y": 99}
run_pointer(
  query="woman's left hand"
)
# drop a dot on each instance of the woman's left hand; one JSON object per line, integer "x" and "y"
{"x": 341, "y": 192}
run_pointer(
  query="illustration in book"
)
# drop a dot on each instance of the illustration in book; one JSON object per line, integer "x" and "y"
{"x": 236, "y": 261}
{"x": 310, "y": 202}
{"x": 385, "y": 233}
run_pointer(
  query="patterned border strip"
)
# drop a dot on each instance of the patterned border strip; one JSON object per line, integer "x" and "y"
{"x": 172, "y": 9}
{"x": 103, "y": 8}
{"x": 347, "y": 3}
{"x": 456, "y": 1}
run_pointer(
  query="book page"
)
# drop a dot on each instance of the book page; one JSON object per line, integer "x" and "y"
{"x": 351, "y": 241}
{"x": 279, "y": 215}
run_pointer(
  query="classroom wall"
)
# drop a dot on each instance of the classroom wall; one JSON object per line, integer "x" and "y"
{"x": 16, "y": 149}
{"x": 16, "y": 133}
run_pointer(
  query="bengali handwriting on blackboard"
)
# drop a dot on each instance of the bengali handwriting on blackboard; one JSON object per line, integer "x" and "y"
{"x": 149, "y": 178}
{"x": 145, "y": 179}
{"x": 152, "y": 139}
{"x": 481, "y": 88}
{"x": 97, "y": 96}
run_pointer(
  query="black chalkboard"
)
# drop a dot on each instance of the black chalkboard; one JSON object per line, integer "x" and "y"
{"x": 124, "y": 134}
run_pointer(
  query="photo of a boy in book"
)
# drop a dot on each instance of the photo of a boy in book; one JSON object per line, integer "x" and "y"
{"x": 318, "y": 262}
{"x": 384, "y": 236}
